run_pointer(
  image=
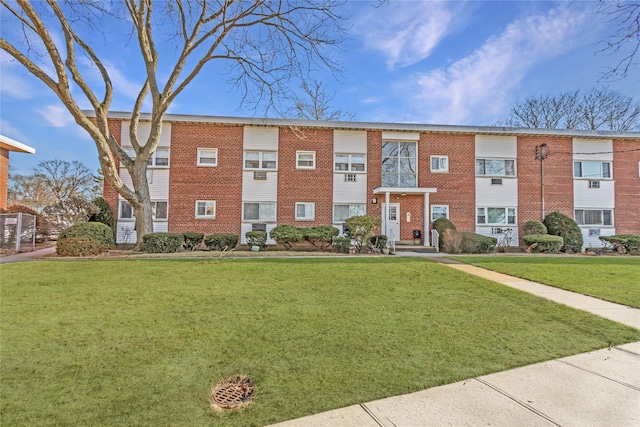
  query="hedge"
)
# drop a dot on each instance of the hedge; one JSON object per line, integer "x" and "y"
{"x": 162, "y": 242}
{"x": 80, "y": 246}
{"x": 561, "y": 225}
{"x": 90, "y": 230}
{"x": 257, "y": 238}
{"x": 191, "y": 240}
{"x": 221, "y": 241}
{"x": 533, "y": 227}
{"x": 477, "y": 243}
{"x": 342, "y": 244}
{"x": 286, "y": 235}
{"x": 320, "y": 236}
{"x": 543, "y": 243}
{"x": 623, "y": 243}
{"x": 441, "y": 225}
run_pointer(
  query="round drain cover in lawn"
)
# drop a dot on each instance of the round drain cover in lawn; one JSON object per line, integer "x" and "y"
{"x": 233, "y": 393}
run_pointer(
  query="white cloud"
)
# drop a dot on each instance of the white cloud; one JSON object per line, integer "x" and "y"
{"x": 12, "y": 83}
{"x": 408, "y": 32}
{"x": 483, "y": 81}
{"x": 56, "y": 115}
{"x": 7, "y": 129}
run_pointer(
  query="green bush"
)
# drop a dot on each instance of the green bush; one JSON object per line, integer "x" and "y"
{"x": 561, "y": 225}
{"x": 320, "y": 236}
{"x": 104, "y": 213}
{"x": 162, "y": 243}
{"x": 361, "y": 229}
{"x": 191, "y": 240}
{"x": 441, "y": 225}
{"x": 533, "y": 227}
{"x": 80, "y": 246}
{"x": 221, "y": 241}
{"x": 342, "y": 244}
{"x": 257, "y": 238}
{"x": 624, "y": 243}
{"x": 543, "y": 243}
{"x": 477, "y": 243}
{"x": 379, "y": 241}
{"x": 286, "y": 235}
{"x": 91, "y": 230}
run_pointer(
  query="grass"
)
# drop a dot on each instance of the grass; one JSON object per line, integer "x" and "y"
{"x": 612, "y": 278}
{"x": 142, "y": 342}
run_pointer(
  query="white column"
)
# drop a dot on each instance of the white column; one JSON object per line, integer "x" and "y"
{"x": 386, "y": 214}
{"x": 427, "y": 220}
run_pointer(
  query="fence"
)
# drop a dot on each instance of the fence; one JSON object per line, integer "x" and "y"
{"x": 17, "y": 232}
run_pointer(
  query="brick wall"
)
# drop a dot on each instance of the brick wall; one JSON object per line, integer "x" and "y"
{"x": 627, "y": 181}
{"x": 305, "y": 185}
{"x": 374, "y": 173}
{"x": 4, "y": 176}
{"x": 188, "y": 183}
{"x": 108, "y": 193}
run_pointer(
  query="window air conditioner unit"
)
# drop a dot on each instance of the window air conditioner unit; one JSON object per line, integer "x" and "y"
{"x": 496, "y": 181}
{"x": 594, "y": 184}
{"x": 350, "y": 177}
{"x": 260, "y": 175}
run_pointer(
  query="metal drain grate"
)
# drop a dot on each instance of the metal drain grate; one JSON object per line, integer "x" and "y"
{"x": 232, "y": 393}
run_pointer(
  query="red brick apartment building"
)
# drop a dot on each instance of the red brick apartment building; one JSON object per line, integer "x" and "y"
{"x": 225, "y": 174}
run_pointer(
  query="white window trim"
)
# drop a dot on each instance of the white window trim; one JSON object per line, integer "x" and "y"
{"x": 593, "y": 178}
{"x": 152, "y": 159}
{"x": 439, "y": 206}
{"x": 275, "y": 209}
{"x": 261, "y": 154}
{"x": 613, "y": 221}
{"x": 313, "y": 153}
{"x": 398, "y": 157}
{"x": 439, "y": 170}
{"x": 506, "y": 217}
{"x": 349, "y": 162}
{"x": 313, "y": 207}
{"x": 133, "y": 214}
{"x": 215, "y": 209}
{"x": 333, "y": 217}
{"x": 515, "y": 167}
{"x": 199, "y": 156}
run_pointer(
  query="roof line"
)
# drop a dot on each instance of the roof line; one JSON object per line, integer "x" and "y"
{"x": 386, "y": 126}
{"x": 13, "y": 145}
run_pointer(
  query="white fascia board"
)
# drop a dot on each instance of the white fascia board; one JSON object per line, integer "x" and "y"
{"x": 13, "y": 145}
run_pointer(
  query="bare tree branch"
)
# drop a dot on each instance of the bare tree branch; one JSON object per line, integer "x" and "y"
{"x": 625, "y": 40}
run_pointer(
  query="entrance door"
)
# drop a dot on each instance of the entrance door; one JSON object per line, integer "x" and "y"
{"x": 392, "y": 229}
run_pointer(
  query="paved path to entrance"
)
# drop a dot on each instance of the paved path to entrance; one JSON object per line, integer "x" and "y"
{"x": 599, "y": 388}
{"x": 28, "y": 256}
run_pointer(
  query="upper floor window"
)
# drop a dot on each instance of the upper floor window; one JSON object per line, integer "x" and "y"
{"x": 160, "y": 158}
{"x": 594, "y": 216}
{"x": 399, "y": 164}
{"x": 439, "y": 163}
{"x": 592, "y": 169}
{"x": 159, "y": 210}
{"x": 495, "y": 167}
{"x": 207, "y": 157}
{"x": 305, "y": 159}
{"x": 349, "y": 162}
{"x": 260, "y": 160}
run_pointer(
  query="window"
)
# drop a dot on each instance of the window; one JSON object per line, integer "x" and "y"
{"x": 594, "y": 184}
{"x": 159, "y": 210}
{"x": 439, "y": 211}
{"x": 160, "y": 158}
{"x": 439, "y": 163}
{"x": 594, "y": 216}
{"x": 495, "y": 167}
{"x": 496, "y": 216}
{"x": 305, "y": 159}
{"x": 206, "y": 209}
{"x": 207, "y": 157}
{"x": 305, "y": 211}
{"x": 399, "y": 164}
{"x": 260, "y": 160}
{"x": 350, "y": 177}
{"x": 342, "y": 212}
{"x": 259, "y": 211}
{"x": 349, "y": 162}
{"x": 592, "y": 170}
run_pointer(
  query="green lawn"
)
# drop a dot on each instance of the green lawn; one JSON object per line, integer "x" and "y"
{"x": 610, "y": 278}
{"x": 142, "y": 342}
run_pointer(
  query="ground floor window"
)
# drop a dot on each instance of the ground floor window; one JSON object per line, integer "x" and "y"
{"x": 343, "y": 211}
{"x": 594, "y": 216}
{"x": 439, "y": 211}
{"x": 305, "y": 211}
{"x": 206, "y": 209}
{"x": 495, "y": 216}
{"x": 259, "y": 211}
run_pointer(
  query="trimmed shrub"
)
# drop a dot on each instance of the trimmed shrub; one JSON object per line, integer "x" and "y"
{"x": 561, "y": 225}
{"x": 80, "y": 246}
{"x": 533, "y": 227}
{"x": 342, "y": 244}
{"x": 162, "y": 243}
{"x": 91, "y": 230}
{"x": 361, "y": 229}
{"x": 379, "y": 241}
{"x": 221, "y": 241}
{"x": 623, "y": 243}
{"x": 286, "y": 235}
{"x": 441, "y": 225}
{"x": 104, "y": 213}
{"x": 543, "y": 243}
{"x": 191, "y": 240}
{"x": 451, "y": 241}
{"x": 477, "y": 244}
{"x": 257, "y": 238}
{"x": 320, "y": 236}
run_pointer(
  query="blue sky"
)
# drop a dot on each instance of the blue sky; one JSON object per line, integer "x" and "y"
{"x": 454, "y": 62}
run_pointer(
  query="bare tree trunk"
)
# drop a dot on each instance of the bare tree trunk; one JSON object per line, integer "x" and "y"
{"x": 141, "y": 207}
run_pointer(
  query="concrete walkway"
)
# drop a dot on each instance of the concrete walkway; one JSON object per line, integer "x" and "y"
{"x": 599, "y": 388}
{"x": 28, "y": 256}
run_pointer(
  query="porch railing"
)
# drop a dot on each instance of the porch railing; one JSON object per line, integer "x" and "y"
{"x": 435, "y": 239}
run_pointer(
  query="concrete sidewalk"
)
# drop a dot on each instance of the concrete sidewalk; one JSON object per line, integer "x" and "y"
{"x": 28, "y": 256}
{"x": 599, "y": 388}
